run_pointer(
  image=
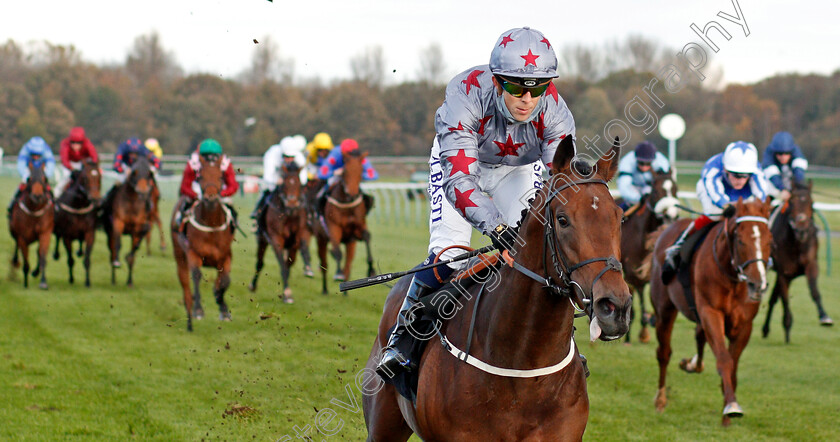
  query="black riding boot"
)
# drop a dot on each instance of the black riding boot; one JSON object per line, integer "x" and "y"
{"x": 12, "y": 203}
{"x": 672, "y": 253}
{"x": 393, "y": 361}
{"x": 260, "y": 204}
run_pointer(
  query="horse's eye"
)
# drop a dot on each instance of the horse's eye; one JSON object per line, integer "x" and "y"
{"x": 563, "y": 220}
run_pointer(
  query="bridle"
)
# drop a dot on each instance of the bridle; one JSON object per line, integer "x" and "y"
{"x": 739, "y": 268}
{"x": 559, "y": 262}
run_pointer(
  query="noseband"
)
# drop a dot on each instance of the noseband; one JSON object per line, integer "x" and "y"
{"x": 739, "y": 268}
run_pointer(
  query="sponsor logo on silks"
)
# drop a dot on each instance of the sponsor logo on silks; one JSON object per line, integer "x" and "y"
{"x": 529, "y": 82}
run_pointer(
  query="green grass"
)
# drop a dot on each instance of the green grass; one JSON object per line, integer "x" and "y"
{"x": 112, "y": 363}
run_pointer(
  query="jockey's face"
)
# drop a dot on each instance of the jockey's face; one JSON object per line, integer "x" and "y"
{"x": 323, "y": 153}
{"x": 288, "y": 160}
{"x": 643, "y": 166}
{"x": 76, "y": 145}
{"x": 783, "y": 157}
{"x": 520, "y": 108}
{"x": 737, "y": 180}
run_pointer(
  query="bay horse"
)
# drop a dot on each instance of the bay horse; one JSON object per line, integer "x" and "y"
{"x": 570, "y": 246}
{"x": 30, "y": 220}
{"x": 76, "y": 213}
{"x": 203, "y": 239}
{"x": 344, "y": 220}
{"x": 654, "y": 209}
{"x": 795, "y": 249}
{"x": 128, "y": 211}
{"x": 728, "y": 275}
{"x": 283, "y": 225}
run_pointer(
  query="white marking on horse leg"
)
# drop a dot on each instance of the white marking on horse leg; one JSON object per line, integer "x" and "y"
{"x": 595, "y": 202}
{"x": 760, "y": 256}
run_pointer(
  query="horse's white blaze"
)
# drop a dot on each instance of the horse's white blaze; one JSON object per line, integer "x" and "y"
{"x": 668, "y": 185}
{"x": 760, "y": 256}
{"x": 595, "y": 202}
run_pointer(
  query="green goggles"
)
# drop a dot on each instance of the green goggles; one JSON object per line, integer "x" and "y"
{"x": 518, "y": 90}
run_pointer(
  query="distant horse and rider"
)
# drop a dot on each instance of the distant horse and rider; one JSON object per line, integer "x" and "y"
{"x": 343, "y": 209}
{"x": 31, "y": 219}
{"x": 283, "y": 226}
{"x": 202, "y": 227}
{"x": 795, "y": 247}
{"x": 76, "y": 215}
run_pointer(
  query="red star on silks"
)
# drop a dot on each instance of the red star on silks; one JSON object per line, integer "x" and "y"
{"x": 530, "y": 58}
{"x": 547, "y": 44}
{"x": 506, "y": 39}
{"x": 540, "y": 125}
{"x": 461, "y": 163}
{"x": 472, "y": 80}
{"x": 552, "y": 92}
{"x": 462, "y": 200}
{"x": 508, "y": 147}
{"x": 483, "y": 123}
{"x": 459, "y": 127}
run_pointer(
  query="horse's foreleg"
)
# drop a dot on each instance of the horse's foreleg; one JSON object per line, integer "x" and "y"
{"x": 366, "y": 239}
{"x": 695, "y": 364}
{"x": 348, "y": 260}
{"x": 812, "y": 270}
{"x": 136, "y": 240}
{"x": 778, "y": 289}
{"x": 43, "y": 251}
{"x": 68, "y": 247}
{"x": 114, "y": 245}
{"x": 664, "y": 328}
{"x": 222, "y": 284}
{"x": 738, "y": 339}
{"x": 261, "y": 246}
{"x": 194, "y": 264}
{"x": 714, "y": 323}
{"x": 56, "y": 254}
{"x": 307, "y": 258}
{"x": 24, "y": 251}
{"x": 322, "y": 258}
{"x": 90, "y": 236}
{"x": 279, "y": 252}
{"x": 335, "y": 234}
{"x": 160, "y": 232}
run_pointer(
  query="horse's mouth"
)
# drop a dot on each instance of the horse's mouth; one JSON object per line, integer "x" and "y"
{"x": 609, "y": 320}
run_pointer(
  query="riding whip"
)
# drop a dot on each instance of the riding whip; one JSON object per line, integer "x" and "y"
{"x": 385, "y": 277}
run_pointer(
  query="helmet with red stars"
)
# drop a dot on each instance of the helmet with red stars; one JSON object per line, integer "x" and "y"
{"x": 523, "y": 53}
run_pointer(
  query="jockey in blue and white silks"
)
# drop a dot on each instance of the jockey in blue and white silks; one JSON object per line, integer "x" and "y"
{"x": 725, "y": 178}
{"x": 497, "y": 128}
{"x": 38, "y": 152}
{"x": 783, "y": 164}
{"x": 721, "y": 179}
{"x": 635, "y": 172}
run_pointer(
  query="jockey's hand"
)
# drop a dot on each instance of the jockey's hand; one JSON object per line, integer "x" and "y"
{"x": 784, "y": 195}
{"x": 503, "y": 237}
{"x": 338, "y": 171}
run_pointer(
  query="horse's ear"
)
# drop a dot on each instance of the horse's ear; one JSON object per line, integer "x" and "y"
{"x": 607, "y": 167}
{"x": 364, "y": 154}
{"x": 564, "y": 154}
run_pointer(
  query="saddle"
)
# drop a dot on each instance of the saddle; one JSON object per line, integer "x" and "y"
{"x": 683, "y": 273}
{"x": 425, "y": 318}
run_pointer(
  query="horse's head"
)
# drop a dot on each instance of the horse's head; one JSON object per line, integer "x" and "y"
{"x": 749, "y": 239}
{"x": 291, "y": 192}
{"x": 37, "y": 188}
{"x": 140, "y": 178}
{"x": 90, "y": 181}
{"x": 351, "y": 178}
{"x": 663, "y": 196}
{"x": 579, "y": 224}
{"x": 800, "y": 212}
{"x": 210, "y": 178}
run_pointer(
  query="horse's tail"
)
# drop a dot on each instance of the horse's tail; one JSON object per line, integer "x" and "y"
{"x": 644, "y": 268}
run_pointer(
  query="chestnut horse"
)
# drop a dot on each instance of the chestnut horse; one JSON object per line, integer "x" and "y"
{"x": 30, "y": 220}
{"x": 344, "y": 220}
{"x": 524, "y": 322}
{"x": 795, "y": 254}
{"x": 655, "y": 209}
{"x": 283, "y": 225}
{"x": 75, "y": 215}
{"x": 728, "y": 277}
{"x": 203, "y": 239}
{"x": 128, "y": 211}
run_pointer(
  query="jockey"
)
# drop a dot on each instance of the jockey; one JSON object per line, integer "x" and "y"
{"x": 635, "y": 172}
{"x": 37, "y": 152}
{"x": 127, "y": 152}
{"x": 153, "y": 146}
{"x": 727, "y": 176}
{"x": 783, "y": 165}
{"x": 285, "y": 153}
{"x": 211, "y": 150}
{"x": 333, "y": 166}
{"x": 316, "y": 152}
{"x": 497, "y": 127}
{"x": 74, "y": 150}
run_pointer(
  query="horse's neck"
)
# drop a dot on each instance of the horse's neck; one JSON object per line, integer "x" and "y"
{"x": 721, "y": 249}
{"x": 209, "y": 214}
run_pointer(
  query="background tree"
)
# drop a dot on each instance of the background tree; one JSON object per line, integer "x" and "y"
{"x": 432, "y": 65}
{"x": 369, "y": 67}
